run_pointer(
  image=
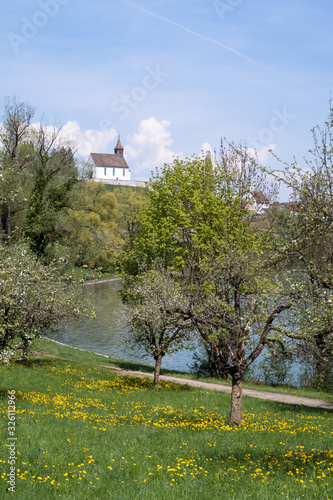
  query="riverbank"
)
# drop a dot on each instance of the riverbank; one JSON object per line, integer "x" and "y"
{"x": 308, "y": 397}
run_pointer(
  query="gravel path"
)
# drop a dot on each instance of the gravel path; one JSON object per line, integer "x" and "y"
{"x": 272, "y": 396}
{"x": 95, "y": 282}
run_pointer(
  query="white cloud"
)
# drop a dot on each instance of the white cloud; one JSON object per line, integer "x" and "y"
{"x": 88, "y": 141}
{"x": 146, "y": 149}
{"x": 149, "y": 147}
{"x": 261, "y": 154}
{"x": 83, "y": 142}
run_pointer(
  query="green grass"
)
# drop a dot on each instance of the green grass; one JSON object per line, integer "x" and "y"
{"x": 86, "y": 433}
{"x": 50, "y": 347}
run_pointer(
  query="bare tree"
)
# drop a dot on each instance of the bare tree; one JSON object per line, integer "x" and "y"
{"x": 14, "y": 158}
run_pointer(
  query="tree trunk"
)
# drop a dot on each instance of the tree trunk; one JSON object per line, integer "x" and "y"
{"x": 323, "y": 374}
{"x": 9, "y": 220}
{"x": 1, "y": 230}
{"x": 218, "y": 362}
{"x": 236, "y": 400}
{"x": 25, "y": 346}
{"x": 218, "y": 357}
{"x": 323, "y": 359}
{"x": 157, "y": 372}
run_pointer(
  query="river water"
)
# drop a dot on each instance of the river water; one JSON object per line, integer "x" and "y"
{"x": 106, "y": 334}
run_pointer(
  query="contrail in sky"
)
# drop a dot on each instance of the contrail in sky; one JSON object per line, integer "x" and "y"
{"x": 216, "y": 42}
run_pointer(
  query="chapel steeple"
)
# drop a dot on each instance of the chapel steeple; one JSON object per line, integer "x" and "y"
{"x": 119, "y": 150}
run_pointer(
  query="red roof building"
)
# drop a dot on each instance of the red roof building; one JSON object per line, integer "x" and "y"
{"x": 110, "y": 167}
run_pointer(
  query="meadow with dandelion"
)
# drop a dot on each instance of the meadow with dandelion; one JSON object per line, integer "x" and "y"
{"x": 86, "y": 432}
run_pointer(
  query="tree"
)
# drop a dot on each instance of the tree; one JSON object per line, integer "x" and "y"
{"x": 240, "y": 298}
{"x": 181, "y": 209}
{"x": 91, "y": 225}
{"x": 37, "y": 175}
{"x": 15, "y": 157}
{"x": 54, "y": 175}
{"x": 307, "y": 244}
{"x": 310, "y": 327}
{"x": 129, "y": 200}
{"x": 197, "y": 224}
{"x": 243, "y": 176}
{"x": 150, "y": 312}
{"x": 33, "y": 297}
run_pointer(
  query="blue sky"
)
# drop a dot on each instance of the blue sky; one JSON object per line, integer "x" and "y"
{"x": 170, "y": 77}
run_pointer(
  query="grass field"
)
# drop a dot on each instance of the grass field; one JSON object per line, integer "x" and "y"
{"x": 84, "y": 432}
{"x": 54, "y": 348}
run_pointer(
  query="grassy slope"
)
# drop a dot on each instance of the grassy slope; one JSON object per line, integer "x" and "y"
{"x": 84, "y": 432}
{"x": 49, "y": 347}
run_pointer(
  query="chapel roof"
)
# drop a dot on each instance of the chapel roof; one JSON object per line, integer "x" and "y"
{"x": 108, "y": 160}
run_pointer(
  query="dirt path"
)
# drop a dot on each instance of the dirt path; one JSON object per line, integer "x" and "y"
{"x": 272, "y": 396}
{"x": 96, "y": 282}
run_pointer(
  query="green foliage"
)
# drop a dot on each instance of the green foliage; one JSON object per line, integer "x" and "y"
{"x": 54, "y": 174}
{"x": 151, "y": 315}
{"x": 130, "y": 200}
{"x": 46, "y": 199}
{"x": 15, "y": 157}
{"x": 306, "y": 242}
{"x": 32, "y": 297}
{"x": 186, "y": 206}
{"x": 37, "y": 174}
{"x": 198, "y": 226}
{"x": 92, "y": 226}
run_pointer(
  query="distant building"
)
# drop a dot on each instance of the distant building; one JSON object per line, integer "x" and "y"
{"x": 257, "y": 202}
{"x": 113, "y": 168}
{"x": 110, "y": 167}
{"x": 291, "y": 205}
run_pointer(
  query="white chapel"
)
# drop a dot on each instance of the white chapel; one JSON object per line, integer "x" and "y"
{"x": 110, "y": 167}
{"x": 113, "y": 168}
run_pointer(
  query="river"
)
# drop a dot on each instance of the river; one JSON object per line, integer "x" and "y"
{"x": 106, "y": 335}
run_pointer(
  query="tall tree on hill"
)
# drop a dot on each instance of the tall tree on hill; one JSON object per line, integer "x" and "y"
{"x": 15, "y": 158}
{"x": 54, "y": 175}
{"x": 37, "y": 176}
